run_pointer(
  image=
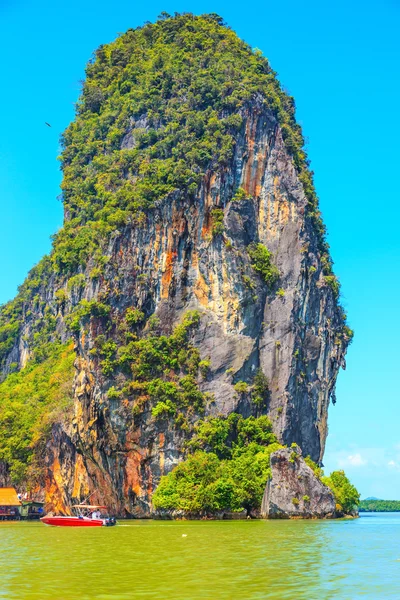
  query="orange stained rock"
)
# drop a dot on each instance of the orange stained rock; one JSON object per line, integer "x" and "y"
{"x": 53, "y": 497}
{"x": 195, "y": 260}
{"x": 83, "y": 382}
{"x": 211, "y": 180}
{"x": 215, "y": 299}
{"x": 201, "y": 290}
{"x": 257, "y": 180}
{"x": 57, "y": 472}
{"x": 263, "y": 214}
{"x": 132, "y": 472}
{"x": 207, "y": 225}
{"x": 78, "y": 410}
{"x": 168, "y": 272}
{"x": 53, "y": 487}
{"x": 284, "y": 211}
{"x": 80, "y": 487}
{"x": 134, "y": 458}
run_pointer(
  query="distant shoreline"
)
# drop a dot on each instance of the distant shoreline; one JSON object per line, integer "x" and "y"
{"x": 379, "y": 506}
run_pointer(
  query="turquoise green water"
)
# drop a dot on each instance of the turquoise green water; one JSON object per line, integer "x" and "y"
{"x": 227, "y": 560}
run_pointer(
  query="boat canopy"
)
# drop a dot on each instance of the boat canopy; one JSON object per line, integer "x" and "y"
{"x": 90, "y": 506}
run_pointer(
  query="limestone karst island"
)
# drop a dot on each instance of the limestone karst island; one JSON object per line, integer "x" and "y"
{"x": 175, "y": 354}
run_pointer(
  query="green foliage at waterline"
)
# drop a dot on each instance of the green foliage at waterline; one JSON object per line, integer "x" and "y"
{"x": 379, "y": 506}
{"x": 346, "y": 495}
{"x": 227, "y": 469}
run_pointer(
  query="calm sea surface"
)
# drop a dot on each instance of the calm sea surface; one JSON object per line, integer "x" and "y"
{"x": 204, "y": 560}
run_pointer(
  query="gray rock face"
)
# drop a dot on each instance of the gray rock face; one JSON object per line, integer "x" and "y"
{"x": 137, "y": 127}
{"x": 294, "y": 491}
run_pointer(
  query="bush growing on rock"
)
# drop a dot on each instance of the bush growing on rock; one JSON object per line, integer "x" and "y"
{"x": 262, "y": 263}
{"x": 217, "y": 221}
{"x": 240, "y": 195}
{"x": 345, "y": 493}
{"x": 133, "y": 316}
{"x": 227, "y": 470}
{"x": 260, "y": 391}
{"x": 241, "y": 387}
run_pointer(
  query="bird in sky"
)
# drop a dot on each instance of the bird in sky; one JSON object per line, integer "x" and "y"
{"x": 48, "y": 124}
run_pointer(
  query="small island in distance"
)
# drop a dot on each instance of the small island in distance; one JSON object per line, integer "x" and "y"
{"x": 376, "y": 505}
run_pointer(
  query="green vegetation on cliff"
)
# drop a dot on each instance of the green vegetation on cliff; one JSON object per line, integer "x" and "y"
{"x": 30, "y": 401}
{"x": 161, "y": 106}
{"x": 157, "y": 368}
{"x": 262, "y": 263}
{"x": 16, "y": 311}
{"x": 227, "y": 468}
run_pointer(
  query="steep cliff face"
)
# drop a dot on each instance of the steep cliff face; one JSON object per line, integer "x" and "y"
{"x": 188, "y": 259}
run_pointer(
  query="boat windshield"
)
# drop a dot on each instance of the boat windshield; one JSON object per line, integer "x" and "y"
{"x": 88, "y": 510}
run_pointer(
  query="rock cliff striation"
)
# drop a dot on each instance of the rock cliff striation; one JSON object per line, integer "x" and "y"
{"x": 179, "y": 277}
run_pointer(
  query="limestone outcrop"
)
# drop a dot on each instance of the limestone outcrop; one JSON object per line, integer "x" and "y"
{"x": 188, "y": 252}
{"x": 294, "y": 491}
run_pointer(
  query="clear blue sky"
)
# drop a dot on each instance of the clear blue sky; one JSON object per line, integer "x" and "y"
{"x": 341, "y": 62}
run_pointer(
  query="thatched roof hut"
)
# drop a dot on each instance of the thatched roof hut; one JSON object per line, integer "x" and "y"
{"x": 9, "y": 503}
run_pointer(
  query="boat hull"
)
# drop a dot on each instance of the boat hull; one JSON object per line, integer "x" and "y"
{"x": 73, "y": 522}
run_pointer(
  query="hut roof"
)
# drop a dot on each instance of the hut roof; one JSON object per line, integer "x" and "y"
{"x": 8, "y": 497}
